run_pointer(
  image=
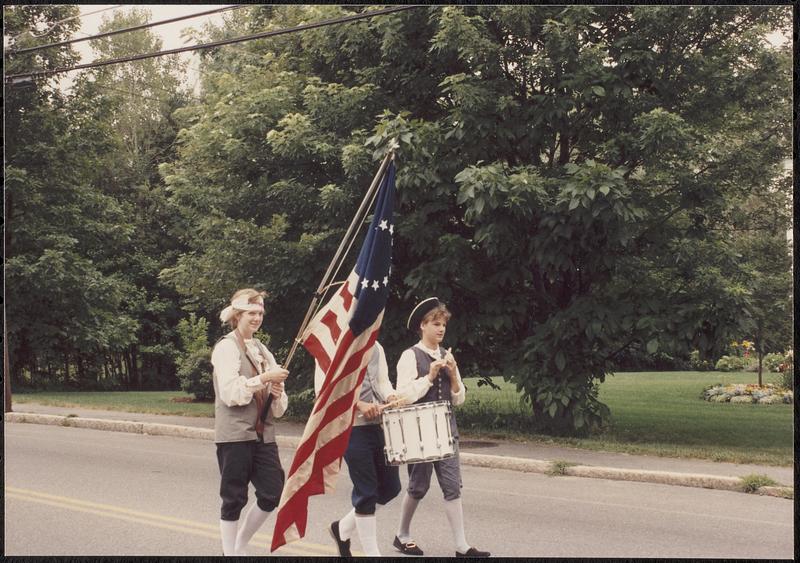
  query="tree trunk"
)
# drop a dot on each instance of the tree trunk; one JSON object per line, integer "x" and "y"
{"x": 760, "y": 363}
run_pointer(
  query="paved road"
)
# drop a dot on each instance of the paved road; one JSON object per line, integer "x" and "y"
{"x": 74, "y": 491}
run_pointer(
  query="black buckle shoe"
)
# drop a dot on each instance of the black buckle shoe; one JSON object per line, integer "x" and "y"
{"x": 409, "y": 548}
{"x": 472, "y": 552}
{"x": 343, "y": 545}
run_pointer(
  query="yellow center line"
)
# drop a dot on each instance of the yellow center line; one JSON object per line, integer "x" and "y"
{"x": 156, "y": 520}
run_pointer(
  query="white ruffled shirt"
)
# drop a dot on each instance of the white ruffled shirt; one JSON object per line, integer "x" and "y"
{"x": 235, "y": 389}
{"x": 413, "y": 388}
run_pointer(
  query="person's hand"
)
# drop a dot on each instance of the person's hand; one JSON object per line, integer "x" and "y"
{"x": 451, "y": 362}
{"x": 433, "y": 372}
{"x": 368, "y": 410}
{"x": 276, "y": 390}
{"x": 275, "y": 375}
{"x": 391, "y": 399}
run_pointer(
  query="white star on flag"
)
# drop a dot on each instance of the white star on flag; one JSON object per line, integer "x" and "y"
{"x": 375, "y": 284}
{"x": 386, "y": 280}
{"x": 391, "y": 229}
{"x": 365, "y": 283}
{"x": 383, "y": 225}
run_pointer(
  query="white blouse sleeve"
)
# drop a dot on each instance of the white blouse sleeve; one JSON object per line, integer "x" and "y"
{"x": 279, "y": 407}
{"x": 234, "y": 389}
{"x": 382, "y": 381}
{"x": 408, "y": 385}
{"x": 458, "y": 398}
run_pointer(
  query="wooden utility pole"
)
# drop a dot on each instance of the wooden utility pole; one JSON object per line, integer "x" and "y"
{"x": 6, "y": 370}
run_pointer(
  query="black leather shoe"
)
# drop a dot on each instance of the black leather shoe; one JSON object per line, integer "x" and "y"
{"x": 343, "y": 545}
{"x": 472, "y": 552}
{"x": 409, "y": 548}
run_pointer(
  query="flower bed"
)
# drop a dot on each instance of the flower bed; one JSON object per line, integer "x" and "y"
{"x": 741, "y": 393}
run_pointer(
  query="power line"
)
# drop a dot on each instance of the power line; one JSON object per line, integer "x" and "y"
{"x": 124, "y": 30}
{"x": 52, "y": 27}
{"x": 22, "y": 76}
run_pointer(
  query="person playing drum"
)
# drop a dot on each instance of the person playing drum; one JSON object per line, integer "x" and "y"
{"x": 425, "y": 373}
{"x": 374, "y": 482}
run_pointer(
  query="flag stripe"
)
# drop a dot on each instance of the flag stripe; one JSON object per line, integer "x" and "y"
{"x": 330, "y": 320}
{"x": 347, "y": 297}
{"x": 341, "y": 337}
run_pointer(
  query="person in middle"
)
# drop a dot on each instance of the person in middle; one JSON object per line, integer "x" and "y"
{"x": 374, "y": 482}
{"x": 427, "y": 373}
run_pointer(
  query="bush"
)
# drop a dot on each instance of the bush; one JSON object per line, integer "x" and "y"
{"x": 193, "y": 334}
{"x": 698, "y": 364}
{"x": 772, "y": 362}
{"x": 300, "y": 404}
{"x": 787, "y": 379}
{"x": 196, "y": 373}
{"x": 751, "y": 483}
{"x": 730, "y": 363}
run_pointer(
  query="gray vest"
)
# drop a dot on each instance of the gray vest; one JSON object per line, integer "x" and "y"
{"x": 367, "y": 393}
{"x": 440, "y": 390}
{"x": 238, "y": 423}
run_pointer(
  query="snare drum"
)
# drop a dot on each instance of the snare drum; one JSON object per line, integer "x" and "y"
{"x": 418, "y": 433}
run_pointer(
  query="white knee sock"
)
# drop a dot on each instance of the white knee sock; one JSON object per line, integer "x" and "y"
{"x": 455, "y": 515}
{"x": 347, "y": 525}
{"x": 254, "y": 519}
{"x": 366, "y": 533}
{"x": 227, "y": 529}
{"x": 406, "y": 514}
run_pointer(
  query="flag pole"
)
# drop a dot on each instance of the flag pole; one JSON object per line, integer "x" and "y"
{"x": 351, "y": 232}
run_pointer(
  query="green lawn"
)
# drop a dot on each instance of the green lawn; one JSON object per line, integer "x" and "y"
{"x": 155, "y": 402}
{"x": 654, "y": 413}
{"x": 660, "y": 413}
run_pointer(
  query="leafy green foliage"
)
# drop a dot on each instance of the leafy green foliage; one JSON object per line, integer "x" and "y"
{"x": 567, "y": 181}
{"x": 196, "y": 374}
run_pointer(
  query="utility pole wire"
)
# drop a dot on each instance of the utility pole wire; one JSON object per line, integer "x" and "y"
{"x": 59, "y": 22}
{"x": 42, "y": 73}
{"x": 124, "y": 30}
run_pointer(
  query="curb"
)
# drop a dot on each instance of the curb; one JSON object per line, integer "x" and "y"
{"x": 478, "y": 460}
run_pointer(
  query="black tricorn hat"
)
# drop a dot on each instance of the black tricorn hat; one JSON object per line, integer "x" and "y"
{"x": 423, "y": 308}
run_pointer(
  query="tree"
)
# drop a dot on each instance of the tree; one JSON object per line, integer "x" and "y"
{"x": 129, "y": 105}
{"x": 53, "y": 219}
{"x": 86, "y": 225}
{"x": 567, "y": 178}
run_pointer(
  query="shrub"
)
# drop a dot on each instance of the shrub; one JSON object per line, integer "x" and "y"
{"x": 698, "y": 364}
{"x": 300, "y": 404}
{"x": 730, "y": 363}
{"x": 559, "y": 467}
{"x": 751, "y": 483}
{"x": 772, "y": 362}
{"x": 787, "y": 379}
{"x": 195, "y": 374}
{"x": 193, "y": 335}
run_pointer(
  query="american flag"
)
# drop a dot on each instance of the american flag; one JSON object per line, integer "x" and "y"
{"x": 340, "y": 337}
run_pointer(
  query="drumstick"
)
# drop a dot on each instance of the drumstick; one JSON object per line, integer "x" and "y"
{"x": 394, "y": 403}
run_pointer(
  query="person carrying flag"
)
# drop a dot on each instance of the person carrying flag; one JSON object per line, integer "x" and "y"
{"x": 374, "y": 482}
{"x": 425, "y": 373}
{"x": 341, "y": 337}
{"x": 246, "y": 380}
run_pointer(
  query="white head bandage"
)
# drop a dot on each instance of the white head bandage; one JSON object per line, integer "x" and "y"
{"x": 239, "y": 304}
